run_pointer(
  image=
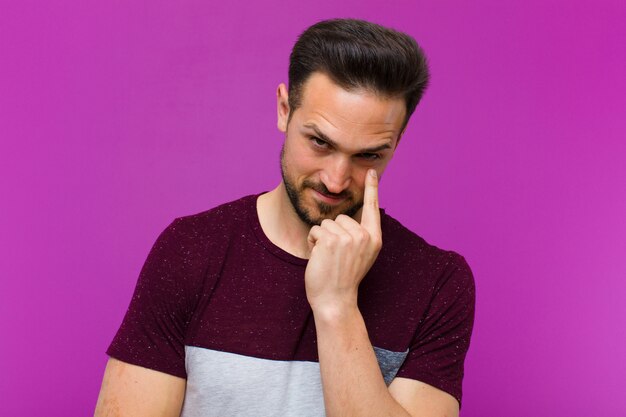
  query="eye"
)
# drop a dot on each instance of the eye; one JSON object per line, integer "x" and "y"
{"x": 319, "y": 142}
{"x": 369, "y": 156}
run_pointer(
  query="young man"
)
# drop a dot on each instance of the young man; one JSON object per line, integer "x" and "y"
{"x": 307, "y": 300}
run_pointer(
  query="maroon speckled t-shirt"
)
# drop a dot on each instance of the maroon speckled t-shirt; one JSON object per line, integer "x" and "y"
{"x": 219, "y": 304}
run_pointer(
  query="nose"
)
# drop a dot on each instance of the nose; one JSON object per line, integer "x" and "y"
{"x": 336, "y": 175}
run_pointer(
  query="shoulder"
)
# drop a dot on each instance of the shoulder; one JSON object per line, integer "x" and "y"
{"x": 405, "y": 248}
{"x": 227, "y": 213}
{"x": 185, "y": 251}
{"x": 214, "y": 225}
{"x": 189, "y": 244}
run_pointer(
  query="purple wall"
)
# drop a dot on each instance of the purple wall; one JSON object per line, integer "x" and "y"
{"x": 115, "y": 118}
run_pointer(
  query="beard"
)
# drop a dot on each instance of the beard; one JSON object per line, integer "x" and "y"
{"x": 324, "y": 211}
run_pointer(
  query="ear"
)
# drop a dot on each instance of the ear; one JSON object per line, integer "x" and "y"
{"x": 282, "y": 104}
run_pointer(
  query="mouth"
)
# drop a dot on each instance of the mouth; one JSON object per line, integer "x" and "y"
{"x": 330, "y": 199}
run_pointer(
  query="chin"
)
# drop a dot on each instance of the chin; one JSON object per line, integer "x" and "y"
{"x": 325, "y": 211}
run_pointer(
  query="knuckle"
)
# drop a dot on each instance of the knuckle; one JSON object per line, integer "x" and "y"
{"x": 377, "y": 243}
{"x": 345, "y": 240}
{"x": 331, "y": 239}
{"x": 345, "y": 220}
{"x": 373, "y": 203}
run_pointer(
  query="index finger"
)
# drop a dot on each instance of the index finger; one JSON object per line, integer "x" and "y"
{"x": 370, "y": 216}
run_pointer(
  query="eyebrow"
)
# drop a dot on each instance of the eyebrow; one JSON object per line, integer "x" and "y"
{"x": 334, "y": 144}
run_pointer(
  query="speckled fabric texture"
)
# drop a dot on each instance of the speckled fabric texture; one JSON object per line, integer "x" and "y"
{"x": 214, "y": 281}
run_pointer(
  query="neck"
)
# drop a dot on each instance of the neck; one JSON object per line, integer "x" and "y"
{"x": 281, "y": 223}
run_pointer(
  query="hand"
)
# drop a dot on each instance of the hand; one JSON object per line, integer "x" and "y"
{"x": 342, "y": 251}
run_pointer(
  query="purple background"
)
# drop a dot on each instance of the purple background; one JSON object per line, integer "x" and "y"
{"x": 116, "y": 117}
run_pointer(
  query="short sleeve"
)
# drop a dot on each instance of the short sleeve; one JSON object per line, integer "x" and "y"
{"x": 152, "y": 334}
{"x": 437, "y": 353}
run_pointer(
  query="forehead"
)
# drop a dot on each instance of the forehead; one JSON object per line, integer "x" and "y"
{"x": 356, "y": 113}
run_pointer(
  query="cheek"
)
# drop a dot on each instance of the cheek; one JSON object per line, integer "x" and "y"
{"x": 296, "y": 150}
{"x": 358, "y": 178}
{"x": 301, "y": 166}
{"x": 306, "y": 161}
{"x": 380, "y": 169}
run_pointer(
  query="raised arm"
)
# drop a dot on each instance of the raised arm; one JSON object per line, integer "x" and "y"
{"x": 342, "y": 251}
{"x": 132, "y": 391}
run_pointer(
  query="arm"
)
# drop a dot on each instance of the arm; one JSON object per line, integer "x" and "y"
{"x": 342, "y": 251}
{"x": 353, "y": 384}
{"x": 130, "y": 390}
{"x": 145, "y": 375}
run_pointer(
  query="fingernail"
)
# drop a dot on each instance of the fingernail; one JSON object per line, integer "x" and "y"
{"x": 373, "y": 173}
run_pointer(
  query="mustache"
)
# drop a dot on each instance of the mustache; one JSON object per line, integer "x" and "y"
{"x": 321, "y": 188}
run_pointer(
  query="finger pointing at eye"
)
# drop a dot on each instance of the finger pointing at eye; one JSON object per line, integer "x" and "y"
{"x": 370, "y": 217}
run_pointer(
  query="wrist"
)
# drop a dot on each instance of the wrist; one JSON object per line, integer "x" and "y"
{"x": 336, "y": 313}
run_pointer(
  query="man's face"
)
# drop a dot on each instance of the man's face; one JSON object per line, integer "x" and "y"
{"x": 331, "y": 141}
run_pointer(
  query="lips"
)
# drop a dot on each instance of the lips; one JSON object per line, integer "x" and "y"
{"x": 331, "y": 199}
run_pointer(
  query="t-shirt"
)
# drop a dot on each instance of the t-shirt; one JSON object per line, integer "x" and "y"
{"x": 219, "y": 304}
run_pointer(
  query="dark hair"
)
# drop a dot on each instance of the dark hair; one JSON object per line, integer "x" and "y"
{"x": 359, "y": 54}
